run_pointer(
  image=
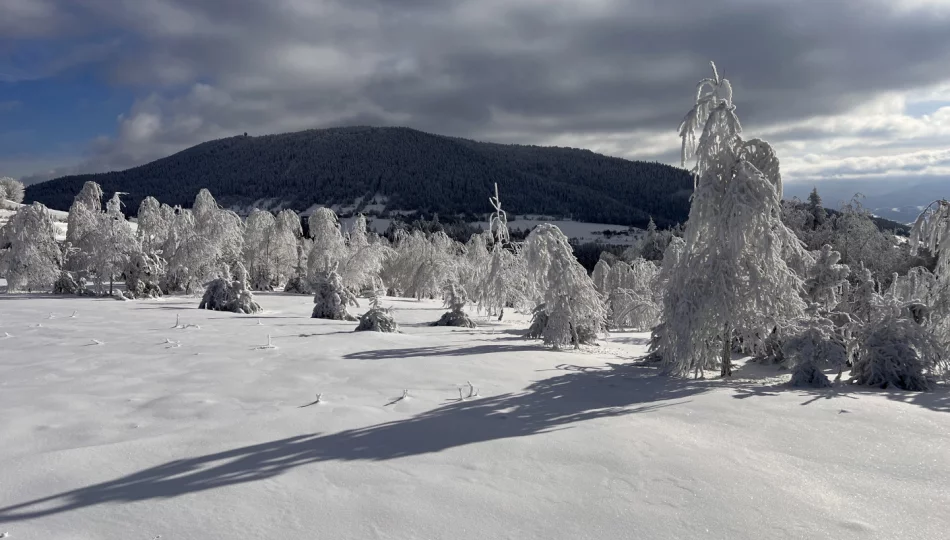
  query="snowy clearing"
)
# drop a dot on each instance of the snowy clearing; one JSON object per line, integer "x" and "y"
{"x": 117, "y": 426}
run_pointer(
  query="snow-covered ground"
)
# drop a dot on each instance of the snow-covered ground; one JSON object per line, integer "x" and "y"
{"x": 196, "y": 433}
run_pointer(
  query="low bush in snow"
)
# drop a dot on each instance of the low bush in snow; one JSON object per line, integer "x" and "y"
{"x": 227, "y": 295}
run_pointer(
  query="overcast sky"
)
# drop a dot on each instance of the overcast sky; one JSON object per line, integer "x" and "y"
{"x": 843, "y": 90}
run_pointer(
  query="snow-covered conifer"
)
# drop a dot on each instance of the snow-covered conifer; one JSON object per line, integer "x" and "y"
{"x": 143, "y": 273}
{"x": 331, "y": 298}
{"x": 225, "y": 294}
{"x": 864, "y": 296}
{"x": 573, "y": 308}
{"x": 454, "y": 299}
{"x": 12, "y": 190}
{"x": 813, "y": 345}
{"x": 733, "y": 278}
{"x": 30, "y": 259}
{"x": 826, "y": 279}
{"x": 377, "y": 318}
{"x": 895, "y": 351}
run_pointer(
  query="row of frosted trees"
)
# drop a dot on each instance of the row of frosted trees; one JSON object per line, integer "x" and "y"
{"x": 211, "y": 249}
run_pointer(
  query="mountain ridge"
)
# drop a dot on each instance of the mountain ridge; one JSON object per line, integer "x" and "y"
{"x": 412, "y": 170}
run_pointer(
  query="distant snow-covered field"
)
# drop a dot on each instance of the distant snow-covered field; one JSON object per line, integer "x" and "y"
{"x": 579, "y": 230}
{"x": 116, "y": 426}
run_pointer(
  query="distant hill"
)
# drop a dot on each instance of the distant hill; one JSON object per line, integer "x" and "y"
{"x": 406, "y": 169}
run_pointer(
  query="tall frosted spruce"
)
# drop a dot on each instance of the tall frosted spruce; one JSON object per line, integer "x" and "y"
{"x": 731, "y": 278}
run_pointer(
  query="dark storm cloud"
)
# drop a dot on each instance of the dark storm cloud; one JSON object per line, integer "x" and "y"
{"x": 526, "y": 70}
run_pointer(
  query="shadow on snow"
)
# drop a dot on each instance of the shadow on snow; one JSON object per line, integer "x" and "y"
{"x": 544, "y": 406}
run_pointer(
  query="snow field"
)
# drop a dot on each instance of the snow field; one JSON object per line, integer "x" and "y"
{"x": 197, "y": 433}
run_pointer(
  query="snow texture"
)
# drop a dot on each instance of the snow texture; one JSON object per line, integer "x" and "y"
{"x": 211, "y": 440}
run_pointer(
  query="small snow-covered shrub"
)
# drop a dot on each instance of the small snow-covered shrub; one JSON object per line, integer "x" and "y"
{"x": 226, "y": 295}
{"x": 813, "y": 346}
{"x": 558, "y": 334}
{"x": 377, "y": 319}
{"x": 894, "y": 351}
{"x": 67, "y": 283}
{"x": 298, "y": 285}
{"x": 142, "y": 274}
{"x": 455, "y": 300}
{"x": 331, "y": 298}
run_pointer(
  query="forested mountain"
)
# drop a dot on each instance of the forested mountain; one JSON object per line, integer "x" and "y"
{"x": 414, "y": 170}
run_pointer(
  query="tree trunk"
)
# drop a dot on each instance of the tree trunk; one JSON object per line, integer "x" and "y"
{"x": 502, "y": 314}
{"x": 727, "y": 351}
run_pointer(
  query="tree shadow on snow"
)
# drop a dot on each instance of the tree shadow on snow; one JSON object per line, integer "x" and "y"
{"x": 548, "y": 405}
{"x": 937, "y": 399}
{"x": 418, "y": 352}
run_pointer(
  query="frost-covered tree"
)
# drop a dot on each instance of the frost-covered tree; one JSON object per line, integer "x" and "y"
{"x": 733, "y": 279}
{"x": 932, "y": 231}
{"x": 222, "y": 229}
{"x": 895, "y": 351}
{"x": 819, "y": 216}
{"x": 108, "y": 248}
{"x": 287, "y": 235}
{"x": 225, "y": 294}
{"x": 299, "y": 282}
{"x": 573, "y": 311}
{"x": 84, "y": 213}
{"x": 455, "y": 298}
{"x": 154, "y": 221}
{"x": 599, "y": 275}
{"x": 30, "y": 259}
{"x": 143, "y": 273}
{"x": 814, "y": 344}
{"x": 864, "y": 296}
{"x": 331, "y": 298}
{"x": 11, "y": 189}
{"x": 203, "y": 244}
{"x": 364, "y": 259}
{"x": 422, "y": 264}
{"x": 260, "y": 250}
{"x": 504, "y": 283}
{"x": 329, "y": 249}
{"x": 826, "y": 279}
{"x": 632, "y": 295}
